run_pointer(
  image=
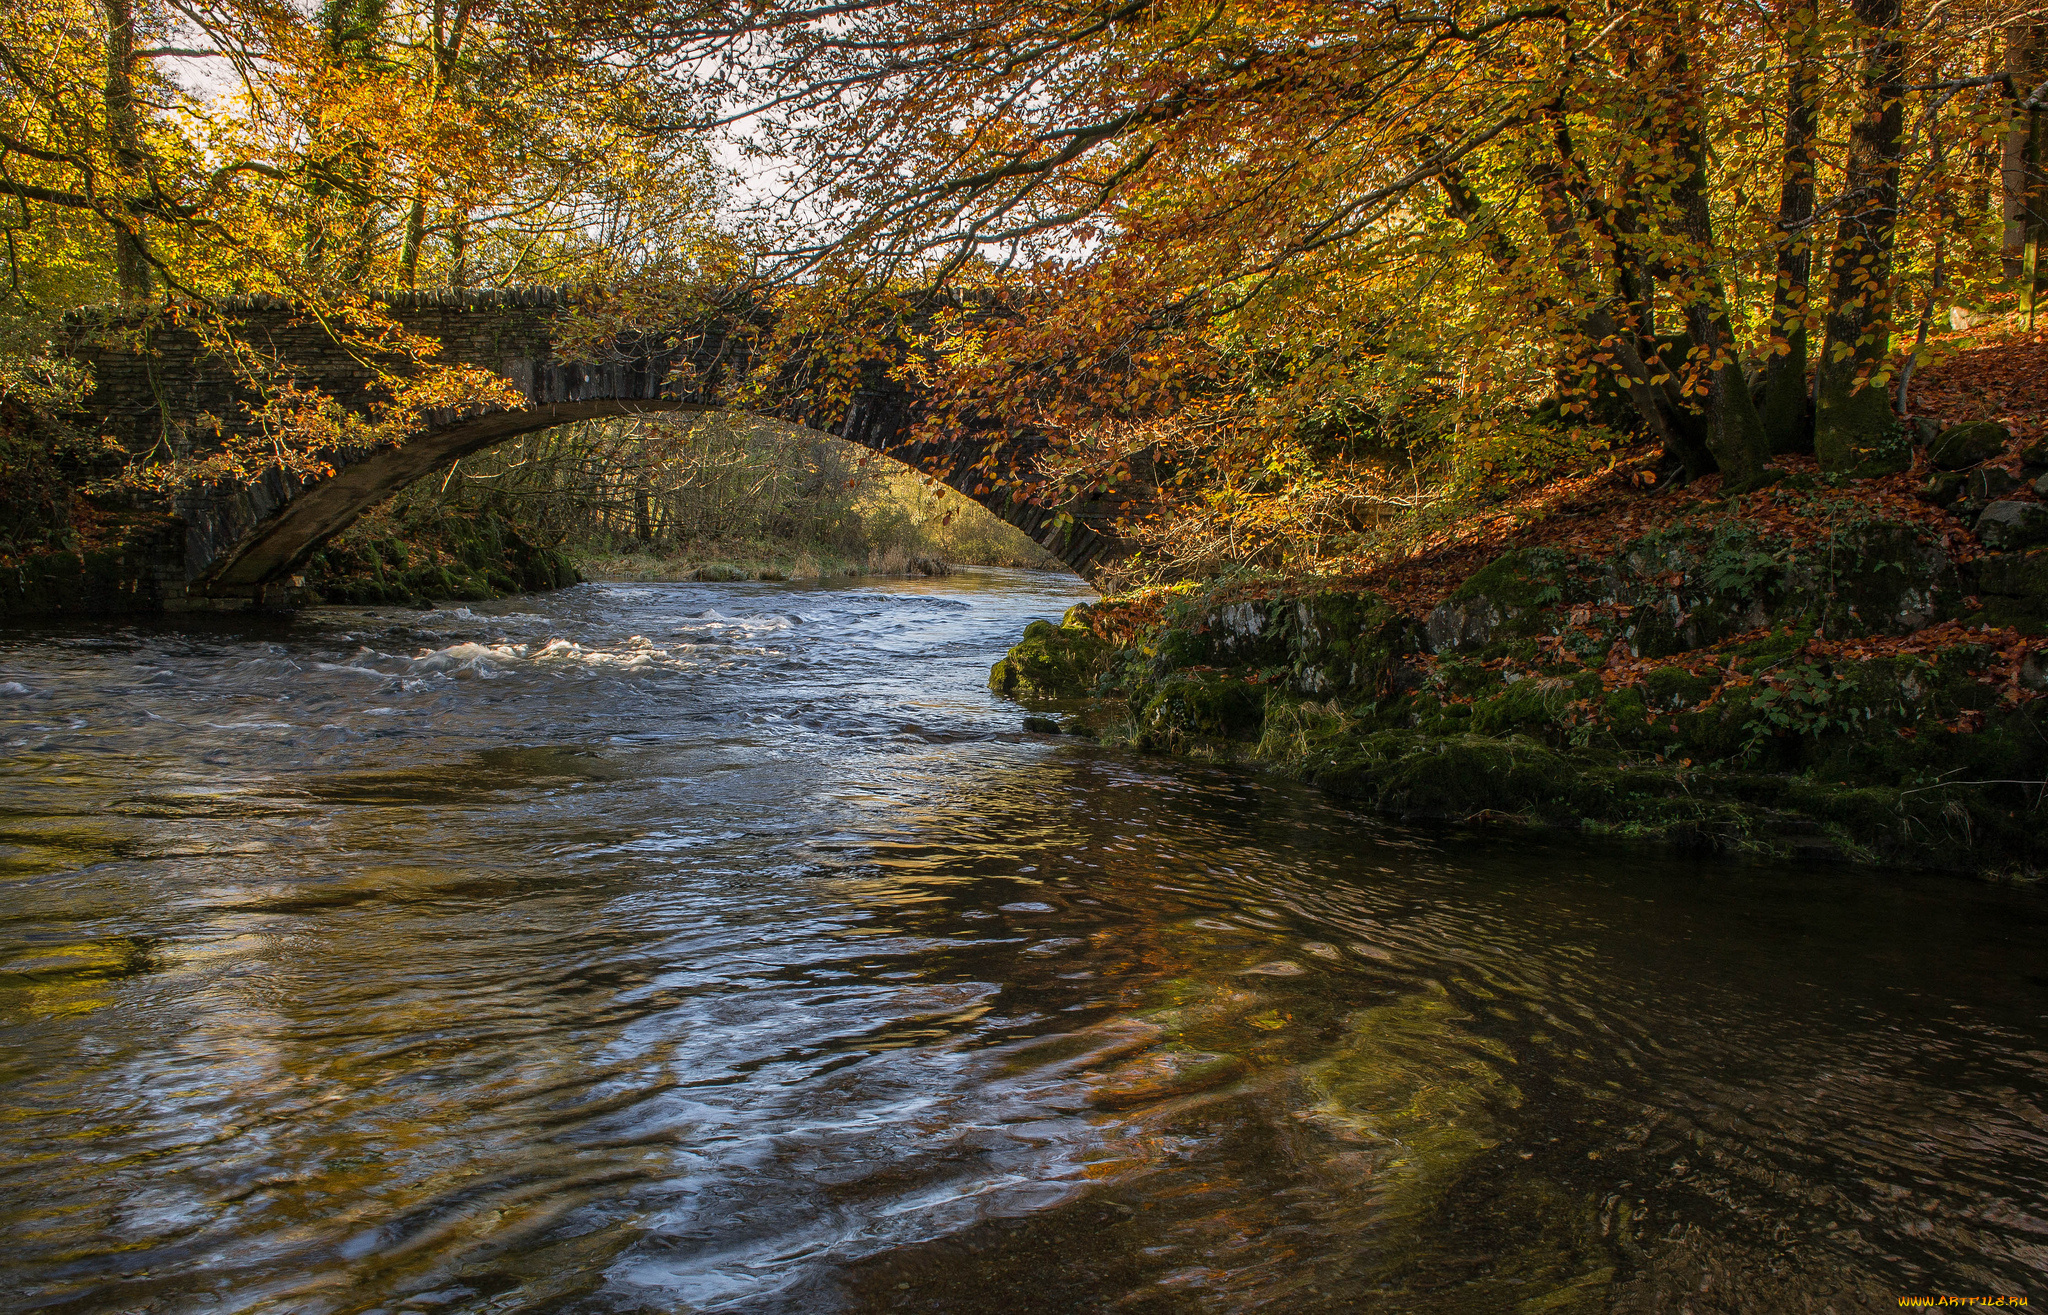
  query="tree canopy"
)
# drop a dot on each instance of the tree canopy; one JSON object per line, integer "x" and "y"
{"x": 1258, "y": 248}
{"x": 1270, "y": 265}
{"x": 165, "y": 155}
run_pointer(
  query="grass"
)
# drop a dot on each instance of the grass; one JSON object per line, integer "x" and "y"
{"x": 730, "y": 559}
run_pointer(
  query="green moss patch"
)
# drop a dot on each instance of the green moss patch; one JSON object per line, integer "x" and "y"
{"x": 1052, "y": 661}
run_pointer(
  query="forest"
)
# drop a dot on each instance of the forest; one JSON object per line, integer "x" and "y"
{"x": 1299, "y": 279}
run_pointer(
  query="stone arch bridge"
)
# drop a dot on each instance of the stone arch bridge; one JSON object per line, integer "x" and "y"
{"x": 246, "y": 542}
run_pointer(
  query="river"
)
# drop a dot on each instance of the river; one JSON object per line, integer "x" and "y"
{"x": 729, "y": 947}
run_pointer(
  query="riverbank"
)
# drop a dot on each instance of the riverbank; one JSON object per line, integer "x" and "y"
{"x": 732, "y": 560}
{"x": 99, "y": 557}
{"x": 1851, "y": 671}
{"x": 126, "y": 563}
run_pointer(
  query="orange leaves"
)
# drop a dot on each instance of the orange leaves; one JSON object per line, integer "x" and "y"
{"x": 2004, "y": 381}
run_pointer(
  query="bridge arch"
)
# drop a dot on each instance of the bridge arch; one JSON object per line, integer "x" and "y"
{"x": 247, "y": 540}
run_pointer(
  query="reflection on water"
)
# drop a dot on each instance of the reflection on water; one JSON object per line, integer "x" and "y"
{"x": 727, "y": 948}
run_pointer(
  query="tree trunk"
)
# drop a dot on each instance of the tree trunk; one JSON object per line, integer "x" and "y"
{"x": 1855, "y": 432}
{"x": 2026, "y": 62}
{"x": 1603, "y": 334}
{"x": 1734, "y": 431}
{"x": 1984, "y": 154}
{"x": 1636, "y": 276}
{"x": 415, "y": 234}
{"x": 2033, "y": 277}
{"x": 124, "y": 135}
{"x": 1785, "y": 417}
{"x": 447, "y": 47}
{"x": 458, "y": 253}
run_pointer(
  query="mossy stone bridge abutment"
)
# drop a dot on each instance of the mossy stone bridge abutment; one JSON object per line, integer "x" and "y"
{"x": 245, "y": 542}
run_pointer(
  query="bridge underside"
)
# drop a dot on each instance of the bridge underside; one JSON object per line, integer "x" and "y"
{"x": 163, "y": 382}
{"x": 256, "y": 536}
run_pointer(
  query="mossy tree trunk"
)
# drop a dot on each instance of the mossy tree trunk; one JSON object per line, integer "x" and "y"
{"x": 1785, "y": 416}
{"x": 1560, "y": 193}
{"x": 2033, "y": 276}
{"x": 1734, "y": 432}
{"x": 1855, "y": 431}
{"x": 2020, "y": 174}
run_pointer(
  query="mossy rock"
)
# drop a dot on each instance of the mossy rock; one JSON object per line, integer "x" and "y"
{"x": 435, "y": 582}
{"x": 1244, "y": 632}
{"x": 1205, "y": 707}
{"x": 2014, "y": 588}
{"x": 1464, "y": 678}
{"x": 1330, "y": 642}
{"x": 719, "y": 573}
{"x": 1443, "y": 718}
{"x": 1183, "y": 645}
{"x": 1674, "y": 687}
{"x": 1772, "y": 649}
{"x": 1344, "y": 642}
{"x": 2012, "y": 526}
{"x": 1943, "y": 489}
{"x": 1516, "y": 595}
{"x": 1532, "y": 705}
{"x": 1961, "y": 446}
{"x": 1884, "y": 577}
{"x": 1988, "y": 482}
{"x": 1625, "y": 711}
{"x": 1522, "y": 578}
{"x": 2027, "y": 616}
{"x": 1052, "y": 662}
{"x": 1862, "y": 795}
{"x": 1459, "y": 777}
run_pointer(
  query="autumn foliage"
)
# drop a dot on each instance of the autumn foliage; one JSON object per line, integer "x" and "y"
{"x": 1272, "y": 274}
{"x": 1279, "y": 284}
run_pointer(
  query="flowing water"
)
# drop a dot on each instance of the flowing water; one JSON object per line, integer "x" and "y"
{"x": 694, "y": 947}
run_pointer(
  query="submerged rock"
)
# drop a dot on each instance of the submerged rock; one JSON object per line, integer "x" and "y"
{"x": 1161, "y": 1075}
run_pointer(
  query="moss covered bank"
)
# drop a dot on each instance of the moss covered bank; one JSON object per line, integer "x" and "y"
{"x": 434, "y": 554}
{"x": 1783, "y": 674}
